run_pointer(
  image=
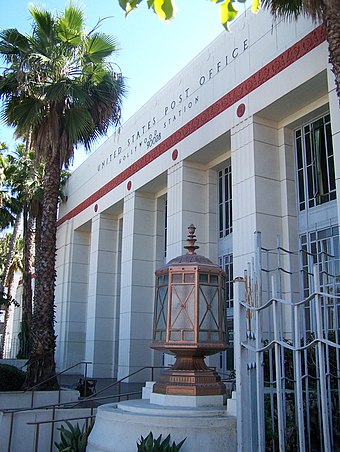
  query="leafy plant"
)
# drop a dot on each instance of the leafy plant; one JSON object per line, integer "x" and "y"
{"x": 150, "y": 444}
{"x": 11, "y": 378}
{"x": 73, "y": 439}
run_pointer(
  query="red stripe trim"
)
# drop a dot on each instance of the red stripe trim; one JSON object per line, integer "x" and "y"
{"x": 281, "y": 62}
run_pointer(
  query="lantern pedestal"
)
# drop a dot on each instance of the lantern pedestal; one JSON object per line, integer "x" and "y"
{"x": 189, "y": 376}
{"x": 119, "y": 426}
{"x": 187, "y": 401}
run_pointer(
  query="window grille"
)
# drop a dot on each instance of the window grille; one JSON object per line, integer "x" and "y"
{"x": 226, "y": 262}
{"x": 315, "y": 163}
{"x": 321, "y": 248}
{"x": 225, "y": 201}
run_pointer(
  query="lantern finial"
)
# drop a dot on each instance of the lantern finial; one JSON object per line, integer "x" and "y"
{"x": 191, "y": 247}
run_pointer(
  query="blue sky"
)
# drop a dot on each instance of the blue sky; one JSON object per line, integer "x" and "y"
{"x": 151, "y": 52}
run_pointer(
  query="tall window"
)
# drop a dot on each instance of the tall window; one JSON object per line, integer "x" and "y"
{"x": 321, "y": 248}
{"x": 226, "y": 262}
{"x": 225, "y": 201}
{"x": 165, "y": 225}
{"x": 315, "y": 163}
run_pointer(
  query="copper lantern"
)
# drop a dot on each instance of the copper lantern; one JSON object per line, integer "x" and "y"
{"x": 189, "y": 322}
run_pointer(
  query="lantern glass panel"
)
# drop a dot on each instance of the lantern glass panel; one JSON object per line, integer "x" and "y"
{"x": 161, "y": 312}
{"x": 214, "y": 279}
{"x": 182, "y": 310}
{"x": 177, "y": 278}
{"x": 188, "y": 336}
{"x": 203, "y": 279}
{"x": 209, "y": 336}
{"x": 189, "y": 278}
{"x": 208, "y": 310}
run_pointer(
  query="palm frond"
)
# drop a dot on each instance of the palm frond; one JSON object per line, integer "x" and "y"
{"x": 43, "y": 23}
{"x": 12, "y": 42}
{"x": 99, "y": 46}
{"x": 292, "y": 9}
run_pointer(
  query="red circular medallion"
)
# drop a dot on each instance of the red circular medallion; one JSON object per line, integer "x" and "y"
{"x": 174, "y": 154}
{"x": 129, "y": 185}
{"x": 240, "y": 110}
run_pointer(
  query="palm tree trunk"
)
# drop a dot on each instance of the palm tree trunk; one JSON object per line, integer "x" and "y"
{"x": 41, "y": 364}
{"x": 331, "y": 21}
{"x": 26, "y": 320}
{"x": 37, "y": 239}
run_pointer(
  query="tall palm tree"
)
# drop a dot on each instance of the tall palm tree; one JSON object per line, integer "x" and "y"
{"x": 15, "y": 265}
{"x": 10, "y": 209}
{"x": 327, "y": 11}
{"x": 26, "y": 183}
{"x": 59, "y": 89}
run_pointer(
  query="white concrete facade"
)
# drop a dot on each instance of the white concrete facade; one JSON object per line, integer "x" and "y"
{"x": 239, "y": 101}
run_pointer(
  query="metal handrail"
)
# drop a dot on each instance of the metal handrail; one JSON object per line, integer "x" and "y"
{"x": 91, "y": 398}
{"x": 118, "y": 382}
{"x": 34, "y": 388}
{"x": 54, "y": 421}
{"x": 60, "y": 373}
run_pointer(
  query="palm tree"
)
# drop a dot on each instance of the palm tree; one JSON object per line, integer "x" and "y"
{"x": 327, "y": 11}
{"x": 10, "y": 209}
{"x": 14, "y": 266}
{"x": 59, "y": 90}
{"x": 26, "y": 183}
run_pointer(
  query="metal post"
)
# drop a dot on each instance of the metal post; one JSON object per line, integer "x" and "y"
{"x": 298, "y": 382}
{"x": 258, "y": 341}
{"x": 240, "y": 322}
{"x": 32, "y": 396}
{"x": 10, "y": 432}
{"x": 52, "y": 429}
{"x": 280, "y": 411}
{"x": 321, "y": 362}
{"x": 36, "y": 442}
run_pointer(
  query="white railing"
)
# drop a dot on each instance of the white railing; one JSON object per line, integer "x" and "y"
{"x": 287, "y": 359}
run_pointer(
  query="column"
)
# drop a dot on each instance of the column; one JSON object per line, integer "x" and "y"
{"x": 264, "y": 200}
{"x": 71, "y": 295}
{"x": 102, "y": 296}
{"x": 335, "y": 121}
{"x": 290, "y": 233}
{"x": 137, "y": 285}
{"x": 191, "y": 199}
{"x": 256, "y": 188}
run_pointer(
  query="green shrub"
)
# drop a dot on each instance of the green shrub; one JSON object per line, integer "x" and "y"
{"x": 149, "y": 444}
{"x": 73, "y": 439}
{"x": 11, "y": 378}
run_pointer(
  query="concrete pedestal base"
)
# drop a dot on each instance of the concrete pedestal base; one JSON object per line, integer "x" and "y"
{"x": 187, "y": 401}
{"x": 119, "y": 426}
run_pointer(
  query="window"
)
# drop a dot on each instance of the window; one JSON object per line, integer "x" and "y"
{"x": 165, "y": 225}
{"x": 315, "y": 163}
{"x": 225, "y": 201}
{"x": 321, "y": 248}
{"x": 226, "y": 262}
{"x": 228, "y": 268}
